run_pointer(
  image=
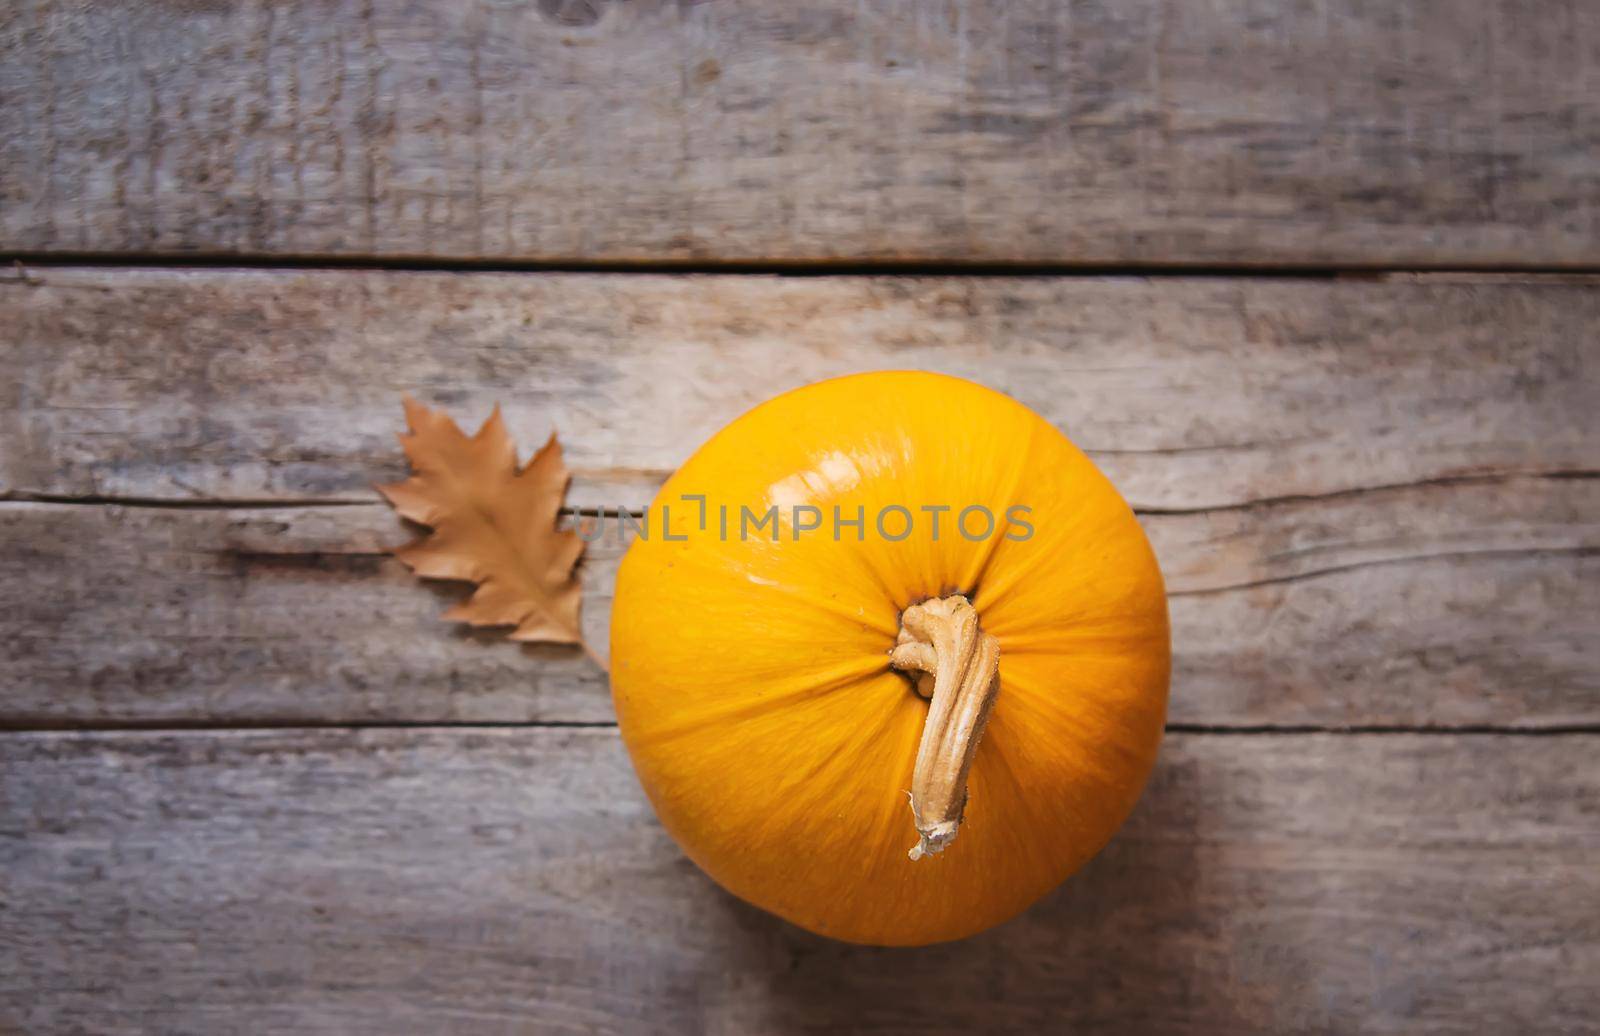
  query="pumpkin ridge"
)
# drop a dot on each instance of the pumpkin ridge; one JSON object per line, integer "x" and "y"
{"x": 863, "y": 670}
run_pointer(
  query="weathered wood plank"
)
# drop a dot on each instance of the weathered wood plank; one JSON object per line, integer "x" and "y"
{"x": 1437, "y": 131}
{"x": 270, "y": 616}
{"x": 496, "y": 881}
{"x": 1443, "y": 604}
{"x": 1190, "y": 393}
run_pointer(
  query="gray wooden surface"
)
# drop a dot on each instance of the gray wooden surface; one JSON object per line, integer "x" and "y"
{"x": 1190, "y": 393}
{"x": 1374, "y": 499}
{"x": 250, "y": 783}
{"x": 514, "y": 881}
{"x": 1243, "y": 131}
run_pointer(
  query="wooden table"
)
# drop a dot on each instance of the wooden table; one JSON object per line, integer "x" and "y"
{"x": 1312, "y": 282}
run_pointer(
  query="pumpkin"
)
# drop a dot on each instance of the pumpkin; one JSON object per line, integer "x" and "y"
{"x": 783, "y": 692}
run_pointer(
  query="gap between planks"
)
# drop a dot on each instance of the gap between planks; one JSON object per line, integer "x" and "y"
{"x": 168, "y": 726}
{"x": 22, "y": 496}
{"x": 24, "y": 264}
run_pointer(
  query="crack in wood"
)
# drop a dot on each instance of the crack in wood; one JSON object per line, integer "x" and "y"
{"x": 1188, "y": 729}
{"x": 1376, "y": 270}
{"x": 1410, "y": 559}
{"x": 20, "y": 496}
{"x": 1483, "y": 478}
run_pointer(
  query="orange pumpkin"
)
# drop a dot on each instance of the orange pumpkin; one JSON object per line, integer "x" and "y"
{"x": 784, "y": 686}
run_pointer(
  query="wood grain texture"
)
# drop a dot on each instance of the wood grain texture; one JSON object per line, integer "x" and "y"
{"x": 1438, "y": 605}
{"x": 265, "y": 616}
{"x": 1189, "y": 393}
{"x": 1374, "y": 500}
{"x": 515, "y": 881}
{"x": 1430, "y": 132}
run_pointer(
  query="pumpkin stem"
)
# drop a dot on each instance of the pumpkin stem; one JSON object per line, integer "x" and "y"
{"x": 957, "y": 666}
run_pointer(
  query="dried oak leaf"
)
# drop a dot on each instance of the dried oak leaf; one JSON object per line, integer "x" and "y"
{"x": 493, "y": 524}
